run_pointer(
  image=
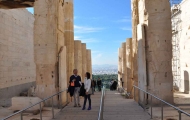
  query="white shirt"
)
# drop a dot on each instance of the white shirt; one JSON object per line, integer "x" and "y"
{"x": 87, "y": 84}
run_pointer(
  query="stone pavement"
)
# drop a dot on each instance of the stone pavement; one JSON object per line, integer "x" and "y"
{"x": 71, "y": 113}
{"x": 117, "y": 107}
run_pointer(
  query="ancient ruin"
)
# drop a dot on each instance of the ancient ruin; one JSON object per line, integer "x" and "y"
{"x": 38, "y": 54}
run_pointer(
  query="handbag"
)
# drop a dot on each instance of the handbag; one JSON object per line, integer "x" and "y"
{"x": 90, "y": 91}
{"x": 72, "y": 84}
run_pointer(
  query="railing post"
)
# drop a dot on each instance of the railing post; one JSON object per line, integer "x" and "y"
{"x": 179, "y": 115}
{"x": 21, "y": 117}
{"x": 52, "y": 109}
{"x": 162, "y": 117}
{"x": 151, "y": 106}
{"x": 40, "y": 111}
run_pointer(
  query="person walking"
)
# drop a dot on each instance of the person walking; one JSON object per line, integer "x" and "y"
{"x": 87, "y": 87}
{"x": 99, "y": 82}
{"x": 75, "y": 81}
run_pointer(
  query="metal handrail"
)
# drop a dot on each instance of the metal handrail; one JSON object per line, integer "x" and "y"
{"x": 101, "y": 110}
{"x": 21, "y": 111}
{"x": 162, "y": 101}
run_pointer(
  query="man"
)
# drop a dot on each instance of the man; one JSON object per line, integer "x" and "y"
{"x": 99, "y": 82}
{"x": 75, "y": 80}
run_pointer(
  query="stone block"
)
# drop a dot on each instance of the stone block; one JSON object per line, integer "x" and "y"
{"x": 19, "y": 103}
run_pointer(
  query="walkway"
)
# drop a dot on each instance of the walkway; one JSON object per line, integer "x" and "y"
{"x": 71, "y": 113}
{"x": 118, "y": 108}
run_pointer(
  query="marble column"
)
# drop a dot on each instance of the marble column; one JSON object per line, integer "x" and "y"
{"x": 124, "y": 67}
{"x": 134, "y": 68}
{"x": 128, "y": 64}
{"x": 69, "y": 36}
{"x": 78, "y": 56}
{"x": 49, "y": 49}
{"x": 119, "y": 66}
{"x": 89, "y": 61}
{"x": 84, "y": 64}
{"x": 155, "y": 16}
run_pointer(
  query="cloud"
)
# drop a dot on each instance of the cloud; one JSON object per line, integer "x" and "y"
{"x": 86, "y": 40}
{"x": 125, "y": 19}
{"x": 126, "y": 28}
{"x": 85, "y": 29}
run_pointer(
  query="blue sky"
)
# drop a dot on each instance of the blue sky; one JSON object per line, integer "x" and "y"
{"x": 103, "y": 25}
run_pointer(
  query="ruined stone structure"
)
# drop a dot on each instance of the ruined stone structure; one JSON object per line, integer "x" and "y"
{"x": 135, "y": 22}
{"x": 151, "y": 50}
{"x": 124, "y": 67}
{"x": 78, "y": 56}
{"x": 128, "y": 64}
{"x": 45, "y": 58}
{"x": 154, "y": 34}
{"x": 49, "y": 47}
{"x": 181, "y": 46}
{"x": 10, "y": 4}
{"x": 88, "y": 61}
{"x": 17, "y": 67}
{"x": 119, "y": 66}
{"x": 69, "y": 36}
{"x": 84, "y": 64}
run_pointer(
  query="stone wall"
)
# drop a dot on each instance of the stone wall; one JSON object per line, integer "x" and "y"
{"x": 181, "y": 47}
{"x": 156, "y": 17}
{"x": 17, "y": 67}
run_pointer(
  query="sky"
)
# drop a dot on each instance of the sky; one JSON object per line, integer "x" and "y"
{"x": 103, "y": 25}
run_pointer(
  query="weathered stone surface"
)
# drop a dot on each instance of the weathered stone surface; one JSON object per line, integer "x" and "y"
{"x": 10, "y": 4}
{"x": 69, "y": 36}
{"x": 124, "y": 67}
{"x": 19, "y": 103}
{"x": 78, "y": 56}
{"x": 142, "y": 71}
{"x": 84, "y": 64}
{"x": 128, "y": 64}
{"x": 135, "y": 22}
{"x": 48, "y": 40}
{"x": 156, "y": 17}
{"x": 120, "y": 50}
{"x": 89, "y": 61}
{"x": 17, "y": 67}
{"x": 181, "y": 46}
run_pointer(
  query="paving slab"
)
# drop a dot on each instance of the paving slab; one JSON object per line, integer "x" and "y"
{"x": 116, "y": 107}
{"x": 76, "y": 113}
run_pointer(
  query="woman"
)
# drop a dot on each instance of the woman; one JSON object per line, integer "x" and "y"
{"x": 88, "y": 89}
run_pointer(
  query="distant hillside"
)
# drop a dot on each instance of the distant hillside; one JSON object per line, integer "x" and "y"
{"x": 104, "y": 69}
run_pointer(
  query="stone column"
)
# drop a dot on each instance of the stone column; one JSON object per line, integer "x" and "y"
{"x": 119, "y": 66}
{"x": 84, "y": 64}
{"x": 48, "y": 45}
{"x": 156, "y": 17}
{"x": 124, "y": 67}
{"x": 78, "y": 56}
{"x": 135, "y": 21}
{"x": 89, "y": 61}
{"x": 128, "y": 64}
{"x": 69, "y": 36}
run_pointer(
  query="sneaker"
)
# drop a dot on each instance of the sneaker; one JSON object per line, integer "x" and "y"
{"x": 75, "y": 105}
{"x": 83, "y": 108}
{"x": 79, "y": 105}
{"x": 89, "y": 108}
